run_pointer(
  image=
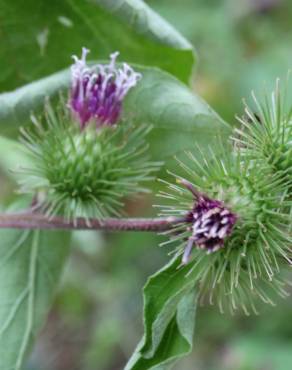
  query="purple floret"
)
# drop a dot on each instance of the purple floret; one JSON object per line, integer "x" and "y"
{"x": 211, "y": 223}
{"x": 97, "y": 93}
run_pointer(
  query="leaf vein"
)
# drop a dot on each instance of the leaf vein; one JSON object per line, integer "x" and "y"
{"x": 31, "y": 298}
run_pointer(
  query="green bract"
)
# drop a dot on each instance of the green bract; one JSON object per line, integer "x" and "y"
{"x": 85, "y": 172}
{"x": 267, "y": 134}
{"x": 251, "y": 263}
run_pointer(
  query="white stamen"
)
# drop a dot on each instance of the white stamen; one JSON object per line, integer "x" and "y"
{"x": 213, "y": 230}
{"x": 196, "y": 225}
{"x": 211, "y": 212}
{"x": 222, "y": 233}
{"x": 224, "y": 220}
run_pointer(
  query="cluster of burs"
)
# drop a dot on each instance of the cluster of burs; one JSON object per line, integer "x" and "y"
{"x": 235, "y": 202}
{"x": 241, "y": 260}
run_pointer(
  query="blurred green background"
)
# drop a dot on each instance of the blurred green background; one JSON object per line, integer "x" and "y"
{"x": 96, "y": 320}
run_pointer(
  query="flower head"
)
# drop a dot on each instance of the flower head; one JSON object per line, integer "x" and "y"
{"x": 211, "y": 222}
{"x": 97, "y": 93}
{"x": 84, "y": 173}
{"x": 231, "y": 206}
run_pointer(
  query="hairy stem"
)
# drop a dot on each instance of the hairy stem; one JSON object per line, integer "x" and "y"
{"x": 29, "y": 220}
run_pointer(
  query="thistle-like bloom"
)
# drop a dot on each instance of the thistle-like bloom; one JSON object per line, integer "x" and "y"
{"x": 85, "y": 173}
{"x": 211, "y": 222}
{"x": 97, "y": 93}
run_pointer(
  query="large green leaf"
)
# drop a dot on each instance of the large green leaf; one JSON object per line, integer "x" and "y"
{"x": 38, "y": 37}
{"x": 169, "y": 318}
{"x": 140, "y": 17}
{"x": 31, "y": 263}
{"x": 179, "y": 117}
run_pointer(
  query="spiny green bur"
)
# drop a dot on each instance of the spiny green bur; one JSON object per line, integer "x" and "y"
{"x": 278, "y": 150}
{"x": 81, "y": 166}
{"x": 267, "y": 134}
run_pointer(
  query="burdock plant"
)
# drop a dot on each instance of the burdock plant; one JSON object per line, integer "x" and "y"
{"x": 226, "y": 213}
{"x": 85, "y": 157}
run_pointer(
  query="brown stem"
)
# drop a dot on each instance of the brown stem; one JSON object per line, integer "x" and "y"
{"x": 29, "y": 220}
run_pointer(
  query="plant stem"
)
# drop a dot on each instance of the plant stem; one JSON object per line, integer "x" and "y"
{"x": 29, "y": 220}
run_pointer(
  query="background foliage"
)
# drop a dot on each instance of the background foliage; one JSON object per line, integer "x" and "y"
{"x": 96, "y": 318}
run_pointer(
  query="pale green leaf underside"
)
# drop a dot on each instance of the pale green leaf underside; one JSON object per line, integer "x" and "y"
{"x": 12, "y": 158}
{"x": 30, "y": 266}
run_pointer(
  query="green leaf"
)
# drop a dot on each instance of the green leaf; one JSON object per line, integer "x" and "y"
{"x": 38, "y": 37}
{"x": 169, "y": 318}
{"x": 30, "y": 267}
{"x": 179, "y": 117}
{"x": 141, "y": 18}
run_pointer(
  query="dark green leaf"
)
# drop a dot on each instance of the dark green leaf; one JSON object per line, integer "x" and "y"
{"x": 30, "y": 267}
{"x": 38, "y": 37}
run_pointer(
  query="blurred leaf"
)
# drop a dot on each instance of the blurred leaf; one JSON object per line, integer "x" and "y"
{"x": 179, "y": 117}
{"x": 31, "y": 263}
{"x": 12, "y": 157}
{"x": 169, "y": 317}
{"x": 38, "y": 37}
{"x": 252, "y": 351}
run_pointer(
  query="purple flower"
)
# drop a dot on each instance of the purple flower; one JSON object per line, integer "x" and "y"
{"x": 97, "y": 93}
{"x": 211, "y": 223}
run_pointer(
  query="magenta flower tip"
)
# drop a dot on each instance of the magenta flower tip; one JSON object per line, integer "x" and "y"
{"x": 97, "y": 93}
